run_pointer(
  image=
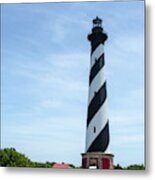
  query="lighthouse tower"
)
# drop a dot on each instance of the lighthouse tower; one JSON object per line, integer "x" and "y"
{"x": 97, "y": 131}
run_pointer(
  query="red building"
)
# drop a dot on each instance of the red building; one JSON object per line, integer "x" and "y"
{"x": 61, "y": 166}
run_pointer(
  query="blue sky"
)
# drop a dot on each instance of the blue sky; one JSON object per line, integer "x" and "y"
{"x": 45, "y": 58}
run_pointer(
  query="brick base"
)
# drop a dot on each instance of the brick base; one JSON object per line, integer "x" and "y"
{"x": 99, "y": 160}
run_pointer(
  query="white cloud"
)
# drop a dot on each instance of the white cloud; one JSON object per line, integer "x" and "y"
{"x": 128, "y": 140}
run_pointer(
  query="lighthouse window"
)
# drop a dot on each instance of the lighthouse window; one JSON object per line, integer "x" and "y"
{"x": 94, "y": 129}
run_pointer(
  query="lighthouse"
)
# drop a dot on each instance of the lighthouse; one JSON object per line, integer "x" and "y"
{"x": 97, "y": 125}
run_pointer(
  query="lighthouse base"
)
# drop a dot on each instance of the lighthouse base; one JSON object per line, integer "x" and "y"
{"x": 97, "y": 160}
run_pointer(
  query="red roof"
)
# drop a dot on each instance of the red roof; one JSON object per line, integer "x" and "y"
{"x": 61, "y": 166}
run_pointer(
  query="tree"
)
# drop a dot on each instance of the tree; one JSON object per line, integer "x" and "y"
{"x": 11, "y": 158}
{"x": 118, "y": 167}
{"x": 135, "y": 167}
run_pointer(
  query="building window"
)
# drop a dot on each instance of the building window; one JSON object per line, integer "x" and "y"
{"x": 94, "y": 129}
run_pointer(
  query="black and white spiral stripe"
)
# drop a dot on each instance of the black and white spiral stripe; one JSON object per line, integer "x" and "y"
{"x": 97, "y": 135}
